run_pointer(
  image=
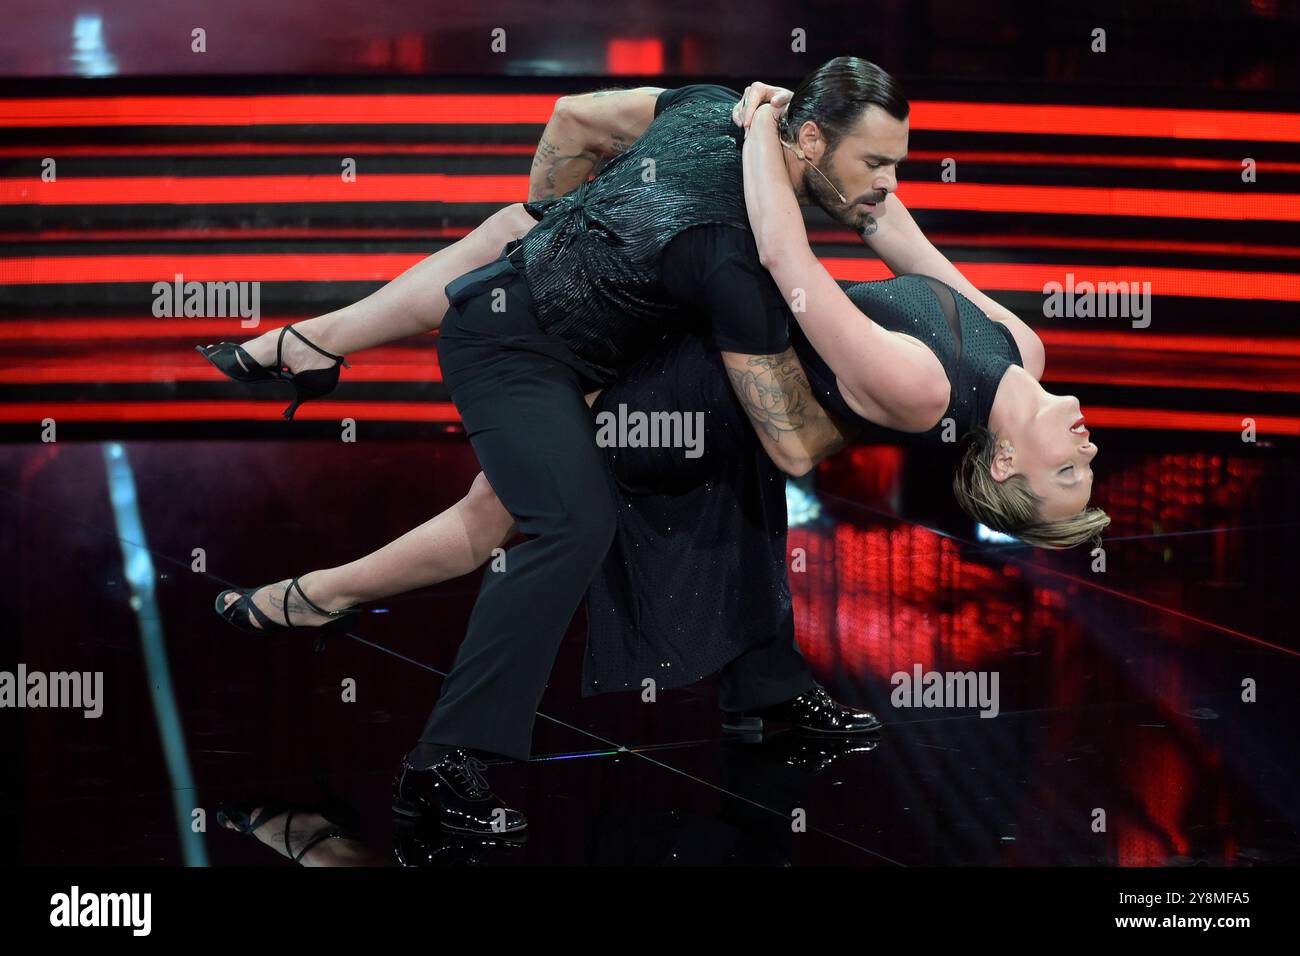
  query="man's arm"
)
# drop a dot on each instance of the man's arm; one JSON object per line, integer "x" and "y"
{"x": 901, "y": 245}
{"x": 714, "y": 269}
{"x": 583, "y": 131}
{"x": 794, "y": 429}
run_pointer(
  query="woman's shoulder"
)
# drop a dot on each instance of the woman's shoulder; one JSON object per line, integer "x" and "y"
{"x": 1033, "y": 357}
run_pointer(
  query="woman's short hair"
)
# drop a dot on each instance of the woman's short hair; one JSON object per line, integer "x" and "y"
{"x": 1011, "y": 506}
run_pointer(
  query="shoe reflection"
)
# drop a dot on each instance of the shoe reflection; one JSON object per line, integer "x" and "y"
{"x": 423, "y": 843}
{"x": 763, "y": 780}
{"x": 328, "y": 834}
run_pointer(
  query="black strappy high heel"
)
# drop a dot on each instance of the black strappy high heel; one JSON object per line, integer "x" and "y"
{"x": 236, "y": 364}
{"x": 231, "y": 614}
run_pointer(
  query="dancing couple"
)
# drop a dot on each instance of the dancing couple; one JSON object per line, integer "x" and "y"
{"x": 658, "y": 264}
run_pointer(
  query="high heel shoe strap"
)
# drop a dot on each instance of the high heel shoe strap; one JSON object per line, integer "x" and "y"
{"x": 309, "y": 343}
{"x": 253, "y": 612}
{"x": 309, "y": 602}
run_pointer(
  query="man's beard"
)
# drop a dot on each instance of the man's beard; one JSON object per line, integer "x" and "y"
{"x": 823, "y": 195}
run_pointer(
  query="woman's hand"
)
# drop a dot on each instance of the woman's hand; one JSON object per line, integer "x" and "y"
{"x": 755, "y": 95}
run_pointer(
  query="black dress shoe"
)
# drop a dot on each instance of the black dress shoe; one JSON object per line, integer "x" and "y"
{"x": 813, "y": 710}
{"x": 454, "y": 792}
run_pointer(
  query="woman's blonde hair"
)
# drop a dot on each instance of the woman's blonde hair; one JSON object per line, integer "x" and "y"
{"x": 1011, "y": 506}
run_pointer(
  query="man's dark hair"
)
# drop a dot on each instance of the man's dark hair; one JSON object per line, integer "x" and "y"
{"x": 834, "y": 95}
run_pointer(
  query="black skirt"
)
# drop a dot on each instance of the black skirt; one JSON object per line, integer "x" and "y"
{"x": 697, "y": 572}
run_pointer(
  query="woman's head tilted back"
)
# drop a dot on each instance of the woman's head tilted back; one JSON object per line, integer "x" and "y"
{"x": 1034, "y": 485}
{"x": 1028, "y": 473}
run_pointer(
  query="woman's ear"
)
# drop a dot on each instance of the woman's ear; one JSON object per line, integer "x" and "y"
{"x": 1004, "y": 461}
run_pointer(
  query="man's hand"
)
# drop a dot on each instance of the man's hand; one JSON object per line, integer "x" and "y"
{"x": 755, "y": 95}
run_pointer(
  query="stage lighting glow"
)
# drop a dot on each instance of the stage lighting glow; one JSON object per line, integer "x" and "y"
{"x": 89, "y": 52}
{"x": 141, "y": 576}
{"x": 985, "y": 533}
{"x": 801, "y": 504}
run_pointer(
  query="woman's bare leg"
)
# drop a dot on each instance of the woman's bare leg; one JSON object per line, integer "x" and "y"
{"x": 451, "y": 544}
{"x": 454, "y": 543}
{"x": 411, "y": 304}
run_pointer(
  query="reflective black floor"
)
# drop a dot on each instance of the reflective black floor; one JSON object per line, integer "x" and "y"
{"x": 1121, "y": 737}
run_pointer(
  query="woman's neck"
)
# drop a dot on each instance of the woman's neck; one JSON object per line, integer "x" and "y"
{"x": 1017, "y": 396}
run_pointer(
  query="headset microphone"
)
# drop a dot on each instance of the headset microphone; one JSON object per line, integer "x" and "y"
{"x": 798, "y": 151}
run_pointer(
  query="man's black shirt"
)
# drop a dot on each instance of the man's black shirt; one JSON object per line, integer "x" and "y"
{"x": 715, "y": 269}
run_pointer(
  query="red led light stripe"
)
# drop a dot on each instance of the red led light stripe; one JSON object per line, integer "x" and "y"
{"x": 1089, "y": 201}
{"x": 1141, "y": 341}
{"x": 11, "y": 412}
{"x": 457, "y": 108}
{"x": 1164, "y": 419}
{"x": 1002, "y": 158}
{"x": 339, "y": 267}
{"x": 1144, "y": 122}
{"x": 185, "y": 365}
{"x": 184, "y": 234}
{"x": 102, "y": 329}
{"x": 1187, "y": 246}
{"x": 635, "y": 56}
{"x": 1278, "y": 382}
{"x": 1023, "y": 277}
{"x": 216, "y": 190}
{"x": 437, "y": 187}
{"x": 275, "y": 149}
{"x": 271, "y": 267}
{"x": 334, "y": 267}
{"x": 310, "y": 109}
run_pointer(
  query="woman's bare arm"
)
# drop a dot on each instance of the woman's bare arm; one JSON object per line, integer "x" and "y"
{"x": 884, "y": 377}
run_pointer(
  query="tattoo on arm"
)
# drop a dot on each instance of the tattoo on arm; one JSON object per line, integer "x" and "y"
{"x": 776, "y": 395}
{"x": 546, "y": 150}
{"x": 550, "y": 166}
{"x": 773, "y": 391}
{"x": 569, "y": 153}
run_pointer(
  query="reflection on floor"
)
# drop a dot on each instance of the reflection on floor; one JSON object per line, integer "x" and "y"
{"x": 1121, "y": 735}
